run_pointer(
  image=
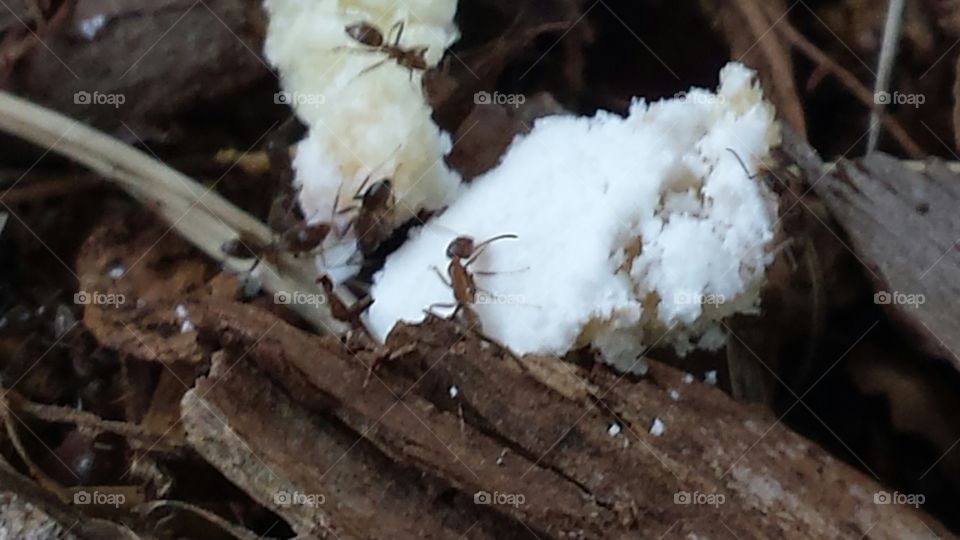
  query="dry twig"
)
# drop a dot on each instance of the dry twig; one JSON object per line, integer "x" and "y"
{"x": 199, "y": 214}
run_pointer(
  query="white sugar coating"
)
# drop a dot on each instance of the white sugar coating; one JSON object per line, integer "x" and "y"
{"x": 363, "y": 120}
{"x": 632, "y": 232}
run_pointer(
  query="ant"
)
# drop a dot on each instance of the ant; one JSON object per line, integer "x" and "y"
{"x": 462, "y": 252}
{"x": 342, "y": 312}
{"x": 351, "y": 315}
{"x": 299, "y": 239}
{"x": 369, "y": 35}
{"x": 371, "y": 222}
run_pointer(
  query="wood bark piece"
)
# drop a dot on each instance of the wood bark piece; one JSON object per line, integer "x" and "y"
{"x": 406, "y": 427}
{"x": 277, "y": 451}
{"x": 21, "y": 519}
{"x": 29, "y": 512}
{"x": 512, "y": 432}
{"x": 904, "y": 227}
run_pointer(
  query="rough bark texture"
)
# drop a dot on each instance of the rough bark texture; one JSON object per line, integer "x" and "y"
{"x": 904, "y": 227}
{"x": 506, "y": 432}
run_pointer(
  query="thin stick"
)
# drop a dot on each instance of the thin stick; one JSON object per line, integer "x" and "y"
{"x": 856, "y": 88}
{"x": 888, "y": 53}
{"x": 200, "y": 215}
{"x": 139, "y": 436}
{"x": 39, "y": 474}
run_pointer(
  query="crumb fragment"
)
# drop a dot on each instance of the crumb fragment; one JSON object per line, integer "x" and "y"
{"x": 116, "y": 271}
{"x": 657, "y": 428}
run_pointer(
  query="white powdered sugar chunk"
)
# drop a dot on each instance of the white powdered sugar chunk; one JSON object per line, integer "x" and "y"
{"x": 631, "y": 232}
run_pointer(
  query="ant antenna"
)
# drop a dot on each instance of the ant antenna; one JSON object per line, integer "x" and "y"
{"x": 742, "y": 164}
{"x": 489, "y": 241}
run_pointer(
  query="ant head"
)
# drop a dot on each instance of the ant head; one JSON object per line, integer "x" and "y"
{"x": 378, "y": 194}
{"x": 365, "y": 33}
{"x": 462, "y": 247}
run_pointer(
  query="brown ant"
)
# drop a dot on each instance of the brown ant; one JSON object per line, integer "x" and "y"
{"x": 351, "y": 315}
{"x": 371, "y": 36}
{"x": 340, "y": 311}
{"x": 299, "y": 239}
{"x": 462, "y": 252}
{"x": 371, "y": 222}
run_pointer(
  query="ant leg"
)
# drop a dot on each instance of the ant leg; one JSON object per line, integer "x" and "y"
{"x": 348, "y": 209}
{"x": 399, "y": 25}
{"x": 371, "y": 68}
{"x": 442, "y": 278}
{"x": 358, "y": 195}
{"x": 355, "y": 49}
